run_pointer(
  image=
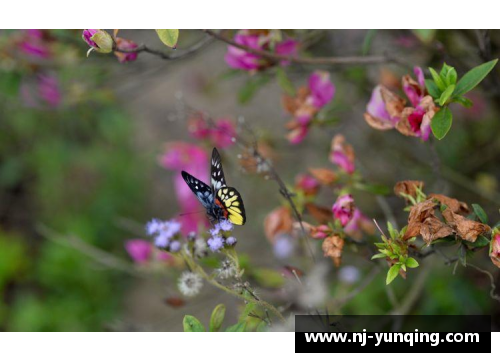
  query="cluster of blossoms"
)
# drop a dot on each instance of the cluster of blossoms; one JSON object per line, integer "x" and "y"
{"x": 166, "y": 234}
{"x": 42, "y": 88}
{"x": 306, "y": 104}
{"x": 101, "y": 42}
{"x": 259, "y": 40}
{"x": 222, "y": 134}
{"x": 221, "y": 235}
{"x": 386, "y": 110}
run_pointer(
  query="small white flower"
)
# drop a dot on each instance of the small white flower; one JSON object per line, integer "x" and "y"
{"x": 200, "y": 248}
{"x": 190, "y": 284}
{"x": 227, "y": 269}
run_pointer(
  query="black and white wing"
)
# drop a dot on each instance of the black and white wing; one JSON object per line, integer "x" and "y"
{"x": 216, "y": 174}
{"x": 201, "y": 190}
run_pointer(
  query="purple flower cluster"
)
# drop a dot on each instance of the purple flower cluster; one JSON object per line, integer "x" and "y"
{"x": 220, "y": 235}
{"x": 165, "y": 234}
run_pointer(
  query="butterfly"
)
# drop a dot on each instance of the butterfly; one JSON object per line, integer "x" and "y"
{"x": 220, "y": 201}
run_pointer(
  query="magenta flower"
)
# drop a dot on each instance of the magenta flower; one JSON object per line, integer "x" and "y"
{"x": 48, "y": 89}
{"x": 34, "y": 44}
{"x": 139, "y": 250}
{"x": 125, "y": 44}
{"x": 359, "y": 224}
{"x": 343, "y": 209}
{"x": 193, "y": 159}
{"x": 495, "y": 248}
{"x": 87, "y": 36}
{"x": 342, "y": 154}
{"x": 224, "y": 133}
{"x": 376, "y": 114}
{"x": 415, "y": 91}
{"x": 259, "y": 40}
{"x": 308, "y": 184}
{"x": 322, "y": 89}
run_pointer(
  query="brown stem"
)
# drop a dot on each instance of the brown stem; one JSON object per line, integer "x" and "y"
{"x": 351, "y": 60}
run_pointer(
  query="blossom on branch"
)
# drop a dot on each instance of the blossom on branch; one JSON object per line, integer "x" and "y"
{"x": 125, "y": 44}
{"x": 343, "y": 209}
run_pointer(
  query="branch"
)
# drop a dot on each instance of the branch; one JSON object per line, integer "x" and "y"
{"x": 188, "y": 51}
{"x": 275, "y": 58}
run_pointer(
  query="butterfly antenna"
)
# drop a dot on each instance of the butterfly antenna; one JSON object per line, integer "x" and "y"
{"x": 191, "y": 213}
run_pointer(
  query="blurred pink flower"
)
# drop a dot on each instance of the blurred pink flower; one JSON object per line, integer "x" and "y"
{"x": 193, "y": 159}
{"x": 322, "y": 89}
{"x": 320, "y": 232}
{"x": 342, "y": 154}
{"x": 495, "y": 249}
{"x": 358, "y": 224}
{"x": 307, "y": 183}
{"x": 376, "y": 110}
{"x": 139, "y": 250}
{"x": 34, "y": 44}
{"x": 343, "y": 209}
{"x": 125, "y": 44}
{"x": 41, "y": 90}
{"x": 259, "y": 40}
{"x": 222, "y": 134}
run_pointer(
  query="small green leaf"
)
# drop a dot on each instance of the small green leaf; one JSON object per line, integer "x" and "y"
{"x": 473, "y": 77}
{"x": 284, "y": 82}
{"x": 392, "y": 273}
{"x": 437, "y": 79}
{"x": 441, "y": 123}
{"x": 411, "y": 263}
{"x": 191, "y": 324}
{"x": 392, "y": 232}
{"x": 168, "y": 37}
{"x": 446, "y": 94}
{"x": 466, "y": 102}
{"x": 249, "y": 90}
{"x": 238, "y": 327}
{"x": 481, "y": 241}
{"x": 426, "y": 36}
{"x": 217, "y": 318}
{"x": 451, "y": 77}
{"x": 378, "y": 256}
{"x": 480, "y": 213}
{"x": 432, "y": 88}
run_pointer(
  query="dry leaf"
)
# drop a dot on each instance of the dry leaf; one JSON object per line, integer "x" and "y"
{"x": 466, "y": 229}
{"x": 393, "y": 103}
{"x": 324, "y": 175}
{"x": 408, "y": 187}
{"x": 332, "y": 247}
{"x": 454, "y": 205}
{"x": 418, "y": 214}
{"x": 321, "y": 214}
{"x": 432, "y": 229}
{"x": 278, "y": 221}
{"x": 377, "y": 123}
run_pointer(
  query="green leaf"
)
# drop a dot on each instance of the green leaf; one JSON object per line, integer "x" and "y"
{"x": 446, "y": 94}
{"x": 217, "y": 318}
{"x": 480, "y": 213}
{"x": 238, "y": 327}
{"x": 441, "y": 123}
{"x": 367, "y": 42}
{"x": 411, "y": 263}
{"x": 432, "y": 88}
{"x": 191, "y": 324}
{"x": 268, "y": 278}
{"x": 168, "y": 37}
{"x": 473, "y": 77}
{"x": 378, "y": 256}
{"x": 466, "y": 102}
{"x": 437, "y": 79}
{"x": 451, "y": 77}
{"x": 392, "y": 273}
{"x": 284, "y": 82}
{"x": 248, "y": 91}
{"x": 376, "y": 189}
{"x": 392, "y": 232}
{"x": 481, "y": 241}
{"x": 425, "y": 35}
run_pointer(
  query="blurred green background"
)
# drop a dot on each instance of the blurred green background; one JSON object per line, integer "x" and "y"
{"x": 81, "y": 160}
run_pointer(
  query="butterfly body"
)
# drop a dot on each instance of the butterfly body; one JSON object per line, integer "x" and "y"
{"x": 220, "y": 201}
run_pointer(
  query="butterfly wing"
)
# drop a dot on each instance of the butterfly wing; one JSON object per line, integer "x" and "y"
{"x": 229, "y": 199}
{"x": 216, "y": 174}
{"x": 202, "y": 191}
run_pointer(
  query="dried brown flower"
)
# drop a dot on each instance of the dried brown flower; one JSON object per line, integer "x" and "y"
{"x": 324, "y": 175}
{"x": 466, "y": 229}
{"x": 277, "y": 222}
{"x": 458, "y": 207}
{"x": 332, "y": 247}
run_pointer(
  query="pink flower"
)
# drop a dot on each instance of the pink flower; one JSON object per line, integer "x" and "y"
{"x": 198, "y": 127}
{"x": 322, "y": 89}
{"x": 259, "y": 40}
{"x": 342, "y": 154}
{"x": 358, "y": 224}
{"x": 307, "y": 183}
{"x": 343, "y": 209}
{"x": 139, "y": 250}
{"x": 34, "y": 44}
{"x": 48, "y": 88}
{"x": 495, "y": 248}
{"x": 224, "y": 133}
{"x": 193, "y": 159}
{"x": 376, "y": 114}
{"x": 415, "y": 91}
{"x": 125, "y": 44}
{"x": 320, "y": 232}
{"x": 87, "y": 35}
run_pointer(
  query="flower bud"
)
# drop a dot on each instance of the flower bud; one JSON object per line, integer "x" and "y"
{"x": 98, "y": 40}
{"x": 495, "y": 249}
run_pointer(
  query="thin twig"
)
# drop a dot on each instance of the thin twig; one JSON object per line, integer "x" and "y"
{"x": 173, "y": 56}
{"x": 492, "y": 281}
{"x": 275, "y": 58}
